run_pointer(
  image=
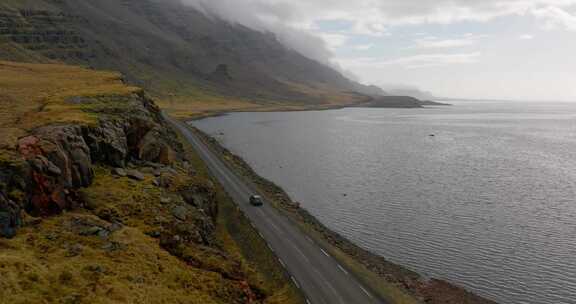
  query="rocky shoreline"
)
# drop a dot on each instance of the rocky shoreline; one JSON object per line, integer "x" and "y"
{"x": 425, "y": 290}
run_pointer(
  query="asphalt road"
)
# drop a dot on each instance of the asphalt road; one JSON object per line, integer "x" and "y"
{"x": 321, "y": 278}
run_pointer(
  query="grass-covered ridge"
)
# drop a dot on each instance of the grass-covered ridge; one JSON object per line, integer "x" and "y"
{"x": 34, "y": 95}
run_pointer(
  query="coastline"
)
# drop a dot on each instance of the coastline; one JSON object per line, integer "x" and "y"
{"x": 391, "y": 281}
{"x": 367, "y": 102}
{"x": 285, "y": 108}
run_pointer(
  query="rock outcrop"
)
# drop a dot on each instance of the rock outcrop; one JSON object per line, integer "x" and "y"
{"x": 59, "y": 160}
{"x": 221, "y": 74}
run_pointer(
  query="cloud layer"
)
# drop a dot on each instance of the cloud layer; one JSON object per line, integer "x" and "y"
{"x": 295, "y": 21}
{"x": 377, "y": 37}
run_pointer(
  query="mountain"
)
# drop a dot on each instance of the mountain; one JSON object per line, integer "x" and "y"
{"x": 170, "y": 49}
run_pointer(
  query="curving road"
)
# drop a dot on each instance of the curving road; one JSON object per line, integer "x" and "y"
{"x": 312, "y": 269}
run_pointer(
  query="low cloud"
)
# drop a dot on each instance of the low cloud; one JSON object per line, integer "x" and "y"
{"x": 362, "y": 47}
{"x": 413, "y": 62}
{"x": 556, "y": 18}
{"x": 435, "y": 43}
{"x": 333, "y": 41}
{"x": 278, "y": 17}
{"x": 526, "y": 37}
{"x": 293, "y": 21}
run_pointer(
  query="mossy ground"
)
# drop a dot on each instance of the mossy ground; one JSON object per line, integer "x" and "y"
{"x": 51, "y": 261}
{"x": 39, "y": 267}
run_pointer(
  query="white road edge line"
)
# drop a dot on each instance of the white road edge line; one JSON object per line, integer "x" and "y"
{"x": 342, "y": 268}
{"x": 324, "y": 252}
{"x": 309, "y": 239}
{"x": 269, "y": 247}
{"x": 260, "y": 234}
{"x": 282, "y": 262}
{"x": 308, "y": 301}
{"x": 295, "y": 282}
{"x": 365, "y": 291}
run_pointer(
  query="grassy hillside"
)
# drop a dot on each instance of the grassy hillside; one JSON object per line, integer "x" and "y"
{"x": 161, "y": 232}
{"x": 33, "y": 95}
{"x": 180, "y": 55}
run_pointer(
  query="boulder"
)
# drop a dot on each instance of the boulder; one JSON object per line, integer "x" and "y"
{"x": 60, "y": 162}
{"x": 180, "y": 212}
{"x": 135, "y": 175}
{"x": 153, "y": 148}
{"x": 119, "y": 172}
{"x": 108, "y": 142}
{"x": 201, "y": 197}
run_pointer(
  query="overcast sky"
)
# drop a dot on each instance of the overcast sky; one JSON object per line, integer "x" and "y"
{"x": 513, "y": 49}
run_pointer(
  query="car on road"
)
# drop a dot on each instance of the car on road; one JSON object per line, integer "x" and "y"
{"x": 256, "y": 200}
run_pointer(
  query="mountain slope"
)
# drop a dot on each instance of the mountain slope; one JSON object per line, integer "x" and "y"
{"x": 170, "y": 49}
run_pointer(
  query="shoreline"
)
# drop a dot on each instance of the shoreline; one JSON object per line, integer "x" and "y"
{"x": 391, "y": 281}
{"x": 303, "y": 108}
{"x": 297, "y": 108}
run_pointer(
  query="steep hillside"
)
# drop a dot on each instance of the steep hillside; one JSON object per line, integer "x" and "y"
{"x": 100, "y": 202}
{"x": 172, "y": 50}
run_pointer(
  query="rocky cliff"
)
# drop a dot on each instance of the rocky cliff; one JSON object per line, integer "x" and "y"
{"x": 59, "y": 159}
{"x": 100, "y": 202}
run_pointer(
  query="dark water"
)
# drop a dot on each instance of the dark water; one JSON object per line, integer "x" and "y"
{"x": 489, "y": 202}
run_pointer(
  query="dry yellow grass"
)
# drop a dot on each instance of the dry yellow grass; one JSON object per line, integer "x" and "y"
{"x": 38, "y": 267}
{"x": 200, "y": 103}
{"x": 183, "y": 107}
{"x": 32, "y": 95}
{"x": 52, "y": 262}
{"x": 327, "y": 95}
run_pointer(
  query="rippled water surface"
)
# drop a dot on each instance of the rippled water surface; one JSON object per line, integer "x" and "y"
{"x": 488, "y": 202}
